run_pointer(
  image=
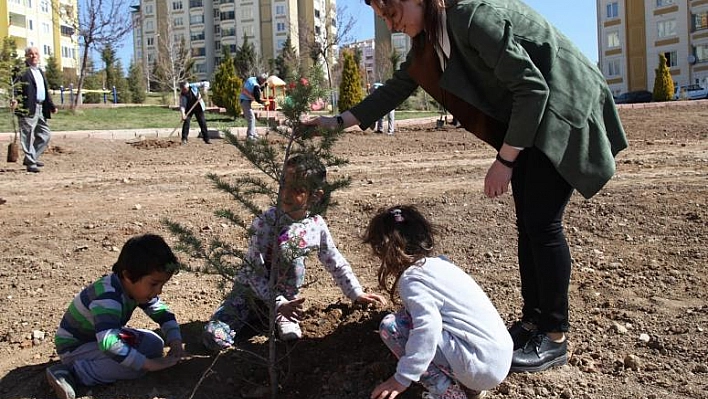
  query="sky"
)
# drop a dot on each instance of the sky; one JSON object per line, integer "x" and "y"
{"x": 577, "y": 19}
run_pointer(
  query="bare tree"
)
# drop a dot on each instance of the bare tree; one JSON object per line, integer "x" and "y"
{"x": 99, "y": 24}
{"x": 323, "y": 45}
{"x": 175, "y": 62}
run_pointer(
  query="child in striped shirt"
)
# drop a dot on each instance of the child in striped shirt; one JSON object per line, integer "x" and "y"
{"x": 93, "y": 341}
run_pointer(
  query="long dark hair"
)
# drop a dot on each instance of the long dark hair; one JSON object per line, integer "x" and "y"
{"x": 431, "y": 15}
{"x": 400, "y": 236}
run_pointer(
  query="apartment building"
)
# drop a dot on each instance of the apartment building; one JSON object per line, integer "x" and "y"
{"x": 632, "y": 34}
{"x": 387, "y": 43}
{"x": 45, "y": 24}
{"x": 368, "y": 56}
{"x": 207, "y": 26}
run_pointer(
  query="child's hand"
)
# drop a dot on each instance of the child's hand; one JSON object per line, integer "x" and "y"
{"x": 388, "y": 389}
{"x": 291, "y": 309}
{"x": 371, "y": 298}
{"x": 160, "y": 363}
{"x": 176, "y": 349}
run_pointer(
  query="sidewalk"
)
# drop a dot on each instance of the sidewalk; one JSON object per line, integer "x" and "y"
{"x": 126, "y": 134}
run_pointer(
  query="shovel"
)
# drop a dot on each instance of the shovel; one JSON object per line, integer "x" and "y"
{"x": 13, "y": 151}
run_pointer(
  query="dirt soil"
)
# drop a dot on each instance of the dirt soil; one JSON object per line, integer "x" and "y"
{"x": 639, "y": 296}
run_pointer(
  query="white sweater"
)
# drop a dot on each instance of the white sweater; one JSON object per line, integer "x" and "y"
{"x": 450, "y": 311}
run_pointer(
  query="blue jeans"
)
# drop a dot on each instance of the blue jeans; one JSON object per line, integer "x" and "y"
{"x": 250, "y": 119}
{"x": 92, "y": 366}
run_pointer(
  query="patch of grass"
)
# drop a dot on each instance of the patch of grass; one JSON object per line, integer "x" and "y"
{"x": 107, "y": 118}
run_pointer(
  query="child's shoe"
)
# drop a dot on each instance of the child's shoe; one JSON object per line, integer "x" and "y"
{"x": 217, "y": 336}
{"x": 287, "y": 330}
{"x": 60, "y": 379}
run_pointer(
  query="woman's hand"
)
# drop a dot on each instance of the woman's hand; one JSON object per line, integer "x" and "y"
{"x": 333, "y": 122}
{"x": 388, "y": 389}
{"x": 371, "y": 298}
{"x": 497, "y": 180}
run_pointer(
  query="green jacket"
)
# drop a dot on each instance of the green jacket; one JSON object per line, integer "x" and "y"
{"x": 513, "y": 65}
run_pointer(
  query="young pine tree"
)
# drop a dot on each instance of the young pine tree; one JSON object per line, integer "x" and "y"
{"x": 663, "y": 83}
{"x": 350, "y": 90}
{"x": 227, "y": 86}
{"x": 250, "y": 193}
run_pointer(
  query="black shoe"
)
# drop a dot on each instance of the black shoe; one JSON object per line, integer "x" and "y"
{"x": 33, "y": 169}
{"x": 39, "y": 164}
{"x": 539, "y": 354}
{"x": 521, "y": 332}
{"x": 207, "y": 142}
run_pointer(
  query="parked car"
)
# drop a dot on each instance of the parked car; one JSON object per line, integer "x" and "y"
{"x": 690, "y": 92}
{"x": 633, "y": 97}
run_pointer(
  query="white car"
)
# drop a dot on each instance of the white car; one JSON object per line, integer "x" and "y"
{"x": 690, "y": 92}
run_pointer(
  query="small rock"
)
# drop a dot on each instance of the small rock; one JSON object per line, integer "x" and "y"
{"x": 137, "y": 207}
{"x": 632, "y": 362}
{"x": 644, "y": 337}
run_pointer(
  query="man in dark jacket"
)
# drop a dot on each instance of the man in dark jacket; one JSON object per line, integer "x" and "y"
{"x": 35, "y": 108}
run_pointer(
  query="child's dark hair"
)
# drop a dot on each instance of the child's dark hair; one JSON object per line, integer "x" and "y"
{"x": 399, "y": 236}
{"x": 143, "y": 255}
{"x": 311, "y": 175}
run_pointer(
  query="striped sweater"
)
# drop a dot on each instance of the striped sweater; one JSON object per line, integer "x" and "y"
{"x": 98, "y": 313}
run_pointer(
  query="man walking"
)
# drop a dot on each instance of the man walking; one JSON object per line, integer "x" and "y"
{"x": 189, "y": 97}
{"x": 250, "y": 92}
{"x": 36, "y": 108}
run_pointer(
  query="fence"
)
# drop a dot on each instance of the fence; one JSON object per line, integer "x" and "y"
{"x": 72, "y": 93}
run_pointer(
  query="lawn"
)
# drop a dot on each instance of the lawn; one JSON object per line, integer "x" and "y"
{"x": 142, "y": 117}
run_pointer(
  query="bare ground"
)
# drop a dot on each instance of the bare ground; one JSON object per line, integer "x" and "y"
{"x": 639, "y": 309}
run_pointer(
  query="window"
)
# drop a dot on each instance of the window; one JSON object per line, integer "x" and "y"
{"x": 198, "y": 35}
{"x": 246, "y": 13}
{"x": 248, "y": 30}
{"x": 664, "y": 3}
{"x": 195, "y": 3}
{"x": 176, "y": 5}
{"x": 613, "y": 39}
{"x": 149, "y": 25}
{"x": 178, "y": 21}
{"x": 45, "y": 28}
{"x": 280, "y": 10}
{"x": 671, "y": 58}
{"x": 280, "y": 44}
{"x": 227, "y": 15}
{"x": 613, "y": 68}
{"x": 66, "y": 30}
{"x": 612, "y": 10}
{"x": 148, "y": 9}
{"x": 47, "y": 50}
{"x": 196, "y": 19}
{"x": 198, "y": 52}
{"x": 666, "y": 28}
{"x": 700, "y": 21}
{"x": 701, "y": 53}
{"x": 280, "y": 27}
{"x": 225, "y": 32}
{"x": 150, "y": 41}
{"x": 44, "y": 6}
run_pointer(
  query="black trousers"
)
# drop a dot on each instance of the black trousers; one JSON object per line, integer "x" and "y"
{"x": 201, "y": 120}
{"x": 540, "y": 197}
